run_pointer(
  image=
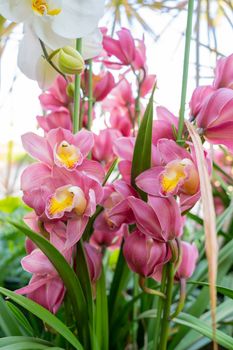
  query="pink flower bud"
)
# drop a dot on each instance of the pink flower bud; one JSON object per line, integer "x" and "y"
{"x": 188, "y": 262}
{"x": 143, "y": 254}
{"x": 94, "y": 260}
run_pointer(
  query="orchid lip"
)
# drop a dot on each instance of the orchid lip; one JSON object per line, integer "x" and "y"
{"x": 41, "y": 8}
{"x": 67, "y": 155}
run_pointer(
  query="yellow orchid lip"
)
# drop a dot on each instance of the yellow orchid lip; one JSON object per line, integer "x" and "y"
{"x": 41, "y": 7}
{"x": 67, "y": 155}
{"x": 66, "y": 199}
{"x": 180, "y": 172}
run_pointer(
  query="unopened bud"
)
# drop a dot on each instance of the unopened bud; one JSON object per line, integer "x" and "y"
{"x": 70, "y": 61}
{"x": 70, "y": 90}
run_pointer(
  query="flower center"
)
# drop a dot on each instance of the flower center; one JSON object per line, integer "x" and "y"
{"x": 67, "y": 155}
{"x": 42, "y": 8}
{"x": 66, "y": 199}
{"x": 180, "y": 174}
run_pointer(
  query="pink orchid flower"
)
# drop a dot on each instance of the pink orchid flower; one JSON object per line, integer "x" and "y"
{"x": 165, "y": 126}
{"x": 144, "y": 255}
{"x": 56, "y": 194}
{"x": 188, "y": 262}
{"x": 198, "y": 98}
{"x": 215, "y": 118}
{"x": 177, "y": 174}
{"x": 46, "y": 287}
{"x": 55, "y": 97}
{"x": 159, "y": 218}
{"x": 65, "y": 150}
{"x": 103, "y": 146}
{"x": 57, "y": 119}
{"x": 103, "y": 83}
{"x": 224, "y": 73}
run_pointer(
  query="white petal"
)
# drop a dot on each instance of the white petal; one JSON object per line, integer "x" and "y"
{"x": 78, "y": 18}
{"x": 16, "y": 10}
{"x": 42, "y": 28}
{"x": 92, "y": 44}
{"x": 31, "y": 62}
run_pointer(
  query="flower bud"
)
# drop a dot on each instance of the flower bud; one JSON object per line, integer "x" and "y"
{"x": 188, "y": 262}
{"x": 70, "y": 61}
{"x": 70, "y": 90}
{"x": 94, "y": 261}
{"x": 143, "y": 254}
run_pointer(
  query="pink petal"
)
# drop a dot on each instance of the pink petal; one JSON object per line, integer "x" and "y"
{"x": 37, "y": 147}
{"x": 75, "y": 229}
{"x": 148, "y": 181}
{"x": 84, "y": 140}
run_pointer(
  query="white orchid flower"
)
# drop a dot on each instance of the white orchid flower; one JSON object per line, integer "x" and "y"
{"x": 32, "y": 63}
{"x": 54, "y": 21}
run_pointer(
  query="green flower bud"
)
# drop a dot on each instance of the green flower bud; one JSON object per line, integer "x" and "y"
{"x": 70, "y": 61}
{"x": 70, "y": 90}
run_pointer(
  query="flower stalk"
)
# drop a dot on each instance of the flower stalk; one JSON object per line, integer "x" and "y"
{"x": 77, "y": 84}
{"x": 185, "y": 70}
{"x": 90, "y": 95}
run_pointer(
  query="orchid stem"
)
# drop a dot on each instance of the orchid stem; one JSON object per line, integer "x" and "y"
{"x": 160, "y": 305}
{"x": 167, "y": 307}
{"x": 147, "y": 290}
{"x": 185, "y": 70}
{"x": 77, "y": 85}
{"x": 90, "y": 95}
{"x": 181, "y": 300}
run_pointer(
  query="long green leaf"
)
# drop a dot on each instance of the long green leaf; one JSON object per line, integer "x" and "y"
{"x": 16, "y": 340}
{"x": 28, "y": 346}
{"x": 142, "y": 149}
{"x": 222, "y": 290}
{"x": 8, "y": 323}
{"x": 44, "y": 315}
{"x": 68, "y": 276}
{"x": 21, "y": 319}
{"x": 102, "y": 313}
{"x": 201, "y": 327}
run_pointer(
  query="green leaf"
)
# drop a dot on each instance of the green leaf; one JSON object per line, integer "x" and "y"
{"x": 68, "y": 276}
{"x": 21, "y": 319}
{"x": 8, "y": 323}
{"x": 222, "y": 290}
{"x": 223, "y": 311}
{"x": 44, "y": 315}
{"x": 102, "y": 313}
{"x": 142, "y": 149}
{"x": 15, "y": 340}
{"x": 119, "y": 282}
{"x": 201, "y": 327}
{"x": 27, "y": 346}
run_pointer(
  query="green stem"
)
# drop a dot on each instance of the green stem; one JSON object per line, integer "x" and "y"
{"x": 90, "y": 95}
{"x": 181, "y": 300}
{"x": 185, "y": 70}
{"x": 77, "y": 85}
{"x": 160, "y": 308}
{"x": 167, "y": 307}
{"x": 147, "y": 290}
{"x": 135, "y": 310}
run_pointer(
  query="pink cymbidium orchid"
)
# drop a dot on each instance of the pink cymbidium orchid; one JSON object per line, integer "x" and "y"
{"x": 46, "y": 287}
{"x": 56, "y": 194}
{"x": 57, "y": 119}
{"x": 165, "y": 126}
{"x": 224, "y": 73}
{"x": 56, "y": 96}
{"x": 199, "y": 96}
{"x": 215, "y": 119}
{"x": 162, "y": 225}
{"x": 177, "y": 174}
{"x": 103, "y": 83}
{"x": 188, "y": 262}
{"x": 144, "y": 255}
{"x": 116, "y": 210}
{"x": 65, "y": 150}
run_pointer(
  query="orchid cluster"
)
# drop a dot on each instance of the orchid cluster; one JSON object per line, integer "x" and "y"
{"x": 125, "y": 186}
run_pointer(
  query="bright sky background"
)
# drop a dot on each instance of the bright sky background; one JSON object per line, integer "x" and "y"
{"x": 19, "y": 105}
